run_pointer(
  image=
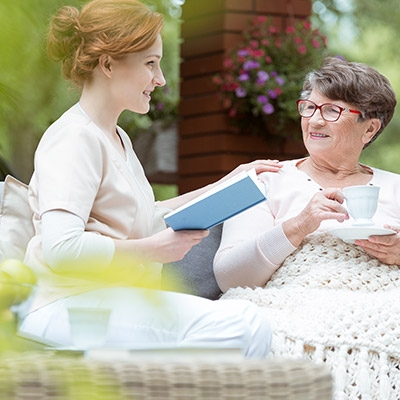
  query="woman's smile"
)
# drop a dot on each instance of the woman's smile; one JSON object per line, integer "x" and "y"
{"x": 318, "y": 135}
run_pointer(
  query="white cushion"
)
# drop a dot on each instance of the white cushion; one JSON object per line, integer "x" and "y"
{"x": 16, "y": 227}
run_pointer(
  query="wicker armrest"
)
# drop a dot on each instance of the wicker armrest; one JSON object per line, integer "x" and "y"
{"x": 49, "y": 376}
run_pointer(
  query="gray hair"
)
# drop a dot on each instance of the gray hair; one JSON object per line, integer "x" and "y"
{"x": 357, "y": 84}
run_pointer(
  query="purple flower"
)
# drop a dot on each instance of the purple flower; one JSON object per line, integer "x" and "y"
{"x": 279, "y": 80}
{"x": 243, "y": 77}
{"x": 268, "y": 108}
{"x": 250, "y": 64}
{"x": 242, "y": 53}
{"x": 262, "y": 99}
{"x": 240, "y": 92}
{"x": 262, "y": 76}
{"x": 272, "y": 94}
{"x": 274, "y": 74}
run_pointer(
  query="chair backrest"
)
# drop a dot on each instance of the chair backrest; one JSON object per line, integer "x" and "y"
{"x": 1, "y": 191}
{"x": 16, "y": 222}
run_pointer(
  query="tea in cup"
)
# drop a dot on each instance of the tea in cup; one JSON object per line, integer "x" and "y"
{"x": 361, "y": 203}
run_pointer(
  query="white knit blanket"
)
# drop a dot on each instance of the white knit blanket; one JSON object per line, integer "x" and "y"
{"x": 331, "y": 302}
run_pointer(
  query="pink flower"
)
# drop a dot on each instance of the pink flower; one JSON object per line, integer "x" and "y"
{"x": 258, "y": 53}
{"x": 232, "y": 112}
{"x": 227, "y": 103}
{"x": 316, "y": 44}
{"x": 231, "y": 87}
{"x": 302, "y": 49}
{"x": 228, "y": 63}
{"x": 273, "y": 29}
{"x": 217, "y": 80}
{"x": 290, "y": 29}
{"x": 298, "y": 40}
{"x": 254, "y": 44}
{"x": 261, "y": 19}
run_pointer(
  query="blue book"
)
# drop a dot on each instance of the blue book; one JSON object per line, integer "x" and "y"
{"x": 228, "y": 199}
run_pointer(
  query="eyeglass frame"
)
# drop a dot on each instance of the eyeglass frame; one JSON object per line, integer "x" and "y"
{"x": 317, "y": 107}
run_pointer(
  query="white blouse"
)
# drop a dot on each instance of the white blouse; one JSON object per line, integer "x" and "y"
{"x": 79, "y": 171}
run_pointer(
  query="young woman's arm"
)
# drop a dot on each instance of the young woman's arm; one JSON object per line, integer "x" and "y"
{"x": 67, "y": 247}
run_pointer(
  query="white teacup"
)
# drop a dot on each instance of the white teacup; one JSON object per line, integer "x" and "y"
{"x": 361, "y": 203}
{"x": 89, "y": 326}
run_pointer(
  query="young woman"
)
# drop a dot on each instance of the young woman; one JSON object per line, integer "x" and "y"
{"x": 94, "y": 210}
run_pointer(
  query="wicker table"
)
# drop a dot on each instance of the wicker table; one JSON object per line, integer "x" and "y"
{"x": 48, "y": 375}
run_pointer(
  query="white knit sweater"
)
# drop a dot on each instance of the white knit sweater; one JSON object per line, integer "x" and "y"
{"x": 331, "y": 302}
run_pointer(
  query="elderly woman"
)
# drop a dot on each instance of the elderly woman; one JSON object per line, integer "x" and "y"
{"x": 331, "y": 301}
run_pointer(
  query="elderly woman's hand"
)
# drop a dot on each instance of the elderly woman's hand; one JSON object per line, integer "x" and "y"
{"x": 324, "y": 205}
{"x": 385, "y": 248}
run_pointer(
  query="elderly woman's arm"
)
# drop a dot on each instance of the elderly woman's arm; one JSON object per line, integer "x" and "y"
{"x": 253, "y": 261}
{"x": 253, "y": 247}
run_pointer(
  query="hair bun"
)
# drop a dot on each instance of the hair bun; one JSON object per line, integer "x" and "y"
{"x": 65, "y": 34}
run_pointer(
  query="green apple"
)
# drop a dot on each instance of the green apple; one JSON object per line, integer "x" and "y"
{"x": 6, "y": 317}
{"x": 19, "y": 272}
{"x": 22, "y": 276}
{"x": 8, "y": 291}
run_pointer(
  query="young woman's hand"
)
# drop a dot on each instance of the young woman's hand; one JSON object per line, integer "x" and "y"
{"x": 259, "y": 165}
{"x": 163, "y": 247}
{"x": 170, "y": 245}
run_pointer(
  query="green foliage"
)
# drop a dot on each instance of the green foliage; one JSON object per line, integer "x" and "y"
{"x": 32, "y": 91}
{"x": 164, "y": 192}
{"x": 366, "y": 31}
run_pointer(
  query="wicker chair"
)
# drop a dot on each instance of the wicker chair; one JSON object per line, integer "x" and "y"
{"x": 48, "y": 375}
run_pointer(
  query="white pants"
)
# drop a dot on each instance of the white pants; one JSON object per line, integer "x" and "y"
{"x": 143, "y": 317}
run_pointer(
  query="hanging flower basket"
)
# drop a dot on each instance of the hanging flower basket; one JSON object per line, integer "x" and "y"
{"x": 262, "y": 77}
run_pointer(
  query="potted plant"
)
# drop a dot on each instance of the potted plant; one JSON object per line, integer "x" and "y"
{"x": 263, "y": 75}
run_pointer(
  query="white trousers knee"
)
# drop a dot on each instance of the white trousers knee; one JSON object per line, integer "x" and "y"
{"x": 146, "y": 317}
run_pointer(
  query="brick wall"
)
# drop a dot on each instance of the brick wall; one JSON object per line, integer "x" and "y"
{"x": 207, "y": 147}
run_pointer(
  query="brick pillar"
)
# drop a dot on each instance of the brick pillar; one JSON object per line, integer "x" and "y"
{"x": 207, "y": 147}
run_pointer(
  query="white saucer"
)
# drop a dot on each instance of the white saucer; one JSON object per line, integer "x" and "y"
{"x": 67, "y": 349}
{"x": 352, "y": 233}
